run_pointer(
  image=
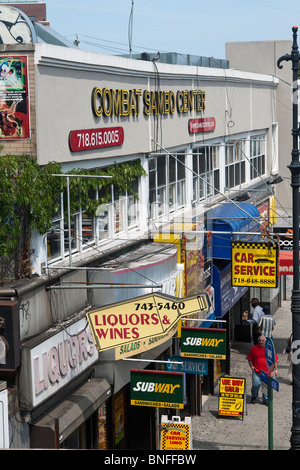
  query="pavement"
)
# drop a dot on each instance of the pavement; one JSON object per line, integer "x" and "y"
{"x": 213, "y": 432}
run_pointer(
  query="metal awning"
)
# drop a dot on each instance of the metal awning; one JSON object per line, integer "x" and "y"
{"x": 54, "y": 427}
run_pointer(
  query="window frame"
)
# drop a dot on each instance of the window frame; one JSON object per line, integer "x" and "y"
{"x": 167, "y": 183}
{"x": 206, "y": 172}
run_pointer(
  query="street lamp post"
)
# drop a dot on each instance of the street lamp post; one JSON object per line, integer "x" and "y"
{"x": 295, "y": 183}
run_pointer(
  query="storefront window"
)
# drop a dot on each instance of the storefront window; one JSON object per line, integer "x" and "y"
{"x": 166, "y": 184}
{"x": 235, "y": 163}
{"x": 132, "y": 207}
{"x": 54, "y": 240}
{"x": 206, "y": 172}
{"x": 102, "y": 221}
{"x": 257, "y": 156}
{"x": 73, "y": 233}
{"x": 87, "y": 230}
{"x": 116, "y": 217}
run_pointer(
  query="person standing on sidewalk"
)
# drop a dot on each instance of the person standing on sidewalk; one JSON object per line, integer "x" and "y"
{"x": 266, "y": 325}
{"x": 257, "y": 362}
{"x": 256, "y": 316}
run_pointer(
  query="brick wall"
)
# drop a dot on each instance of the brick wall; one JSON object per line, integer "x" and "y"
{"x": 35, "y": 10}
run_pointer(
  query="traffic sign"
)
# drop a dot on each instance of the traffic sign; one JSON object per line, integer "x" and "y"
{"x": 274, "y": 383}
{"x": 148, "y": 316}
{"x": 270, "y": 354}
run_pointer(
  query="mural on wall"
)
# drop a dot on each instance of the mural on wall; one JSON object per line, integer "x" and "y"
{"x": 14, "y": 112}
{"x": 15, "y": 26}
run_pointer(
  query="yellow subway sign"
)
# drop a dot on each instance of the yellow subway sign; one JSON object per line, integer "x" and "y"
{"x": 254, "y": 264}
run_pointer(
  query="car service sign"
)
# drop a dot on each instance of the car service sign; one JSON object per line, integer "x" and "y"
{"x": 254, "y": 264}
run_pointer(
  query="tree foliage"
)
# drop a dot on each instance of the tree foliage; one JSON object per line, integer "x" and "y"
{"x": 27, "y": 187}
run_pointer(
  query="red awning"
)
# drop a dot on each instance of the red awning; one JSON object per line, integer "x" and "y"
{"x": 286, "y": 263}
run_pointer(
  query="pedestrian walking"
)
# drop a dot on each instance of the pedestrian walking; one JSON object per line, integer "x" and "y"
{"x": 266, "y": 325}
{"x": 256, "y": 316}
{"x": 257, "y": 362}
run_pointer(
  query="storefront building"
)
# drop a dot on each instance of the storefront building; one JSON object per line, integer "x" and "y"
{"x": 203, "y": 138}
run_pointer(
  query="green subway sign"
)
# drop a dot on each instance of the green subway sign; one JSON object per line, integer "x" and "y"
{"x": 208, "y": 343}
{"x": 156, "y": 388}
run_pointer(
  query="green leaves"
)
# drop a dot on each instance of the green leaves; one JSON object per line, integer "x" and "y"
{"x": 26, "y": 187}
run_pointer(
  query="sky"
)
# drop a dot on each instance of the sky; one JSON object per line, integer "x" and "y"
{"x": 184, "y": 26}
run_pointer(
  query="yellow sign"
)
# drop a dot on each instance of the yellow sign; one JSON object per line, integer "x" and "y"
{"x": 143, "y": 345}
{"x": 273, "y": 210}
{"x": 231, "y": 398}
{"x": 174, "y": 436}
{"x": 254, "y": 264}
{"x": 148, "y": 316}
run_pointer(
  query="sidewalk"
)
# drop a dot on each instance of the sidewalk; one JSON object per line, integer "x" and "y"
{"x": 211, "y": 432}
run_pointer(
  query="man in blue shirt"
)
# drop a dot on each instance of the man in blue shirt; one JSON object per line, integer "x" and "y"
{"x": 256, "y": 316}
{"x": 266, "y": 325}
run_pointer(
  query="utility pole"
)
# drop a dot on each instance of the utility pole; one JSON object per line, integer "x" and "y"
{"x": 295, "y": 183}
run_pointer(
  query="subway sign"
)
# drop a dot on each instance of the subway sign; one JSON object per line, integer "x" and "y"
{"x": 208, "y": 343}
{"x": 254, "y": 264}
{"x": 156, "y": 388}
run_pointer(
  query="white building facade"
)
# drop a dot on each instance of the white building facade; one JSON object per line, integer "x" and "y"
{"x": 204, "y": 138}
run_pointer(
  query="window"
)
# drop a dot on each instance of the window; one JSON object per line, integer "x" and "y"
{"x": 235, "y": 163}
{"x": 206, "y": 172}
{"x": 118, "y": 216}
{"x": 257, "y": 156}
{"x": 166, "y": 183}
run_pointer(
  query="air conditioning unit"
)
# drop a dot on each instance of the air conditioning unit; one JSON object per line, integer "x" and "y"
{"x": 9, "y": 336}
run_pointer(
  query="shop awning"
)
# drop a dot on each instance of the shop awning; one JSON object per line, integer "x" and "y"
{"x": 62, "y": 420}
{"x": 286, "y": 263}
{"x": 229, "y": 217}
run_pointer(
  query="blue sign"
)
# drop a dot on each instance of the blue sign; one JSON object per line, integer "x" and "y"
{"x": 189, "y": 366}
{"x": 270, "y": 354}
{"x": 225, "y": 294}
{"x": 274, "y": 383}
{"x": 264, "y": 376}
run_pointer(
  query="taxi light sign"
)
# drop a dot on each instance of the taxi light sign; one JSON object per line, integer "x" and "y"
{"x": 254, "y": 264}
